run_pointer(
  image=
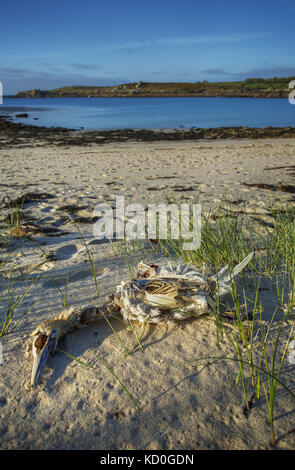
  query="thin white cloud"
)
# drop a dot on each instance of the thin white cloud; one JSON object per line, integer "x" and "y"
{"x": 183, "y": 41}
{"x": 133, "y": 46}
{"x": 45, "y": 55}
{"x": 263, "y": 72}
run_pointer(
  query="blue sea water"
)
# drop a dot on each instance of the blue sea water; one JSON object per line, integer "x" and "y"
{"x": 152, "y": 113}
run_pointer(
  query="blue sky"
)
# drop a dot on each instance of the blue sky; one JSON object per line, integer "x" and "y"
{"x": 56, "y": 43}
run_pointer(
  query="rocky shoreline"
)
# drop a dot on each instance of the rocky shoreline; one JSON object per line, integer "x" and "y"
{"x": 16, "y": 134}
{"x": 249, "y": 88}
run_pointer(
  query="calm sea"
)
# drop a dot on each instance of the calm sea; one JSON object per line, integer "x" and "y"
{"x": 152, "y": 113}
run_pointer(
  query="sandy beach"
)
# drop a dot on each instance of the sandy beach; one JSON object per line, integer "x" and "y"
{"x": 79, "y": 407}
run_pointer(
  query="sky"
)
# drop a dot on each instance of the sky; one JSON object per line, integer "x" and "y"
{"x": 54, "y": 43}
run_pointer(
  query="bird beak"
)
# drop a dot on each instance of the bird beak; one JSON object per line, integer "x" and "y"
{"x": 43, "y": 345}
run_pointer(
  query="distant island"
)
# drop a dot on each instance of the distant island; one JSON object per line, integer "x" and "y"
{"x": 249, "y": 88}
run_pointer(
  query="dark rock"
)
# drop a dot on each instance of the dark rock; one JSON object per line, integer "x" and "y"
{"x": 22, "y": 115}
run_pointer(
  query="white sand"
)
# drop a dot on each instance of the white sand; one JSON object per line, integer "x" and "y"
{"x": 75, "y": 407}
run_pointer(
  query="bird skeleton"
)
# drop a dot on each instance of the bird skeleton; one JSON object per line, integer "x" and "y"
{"x": 156, "y": 295}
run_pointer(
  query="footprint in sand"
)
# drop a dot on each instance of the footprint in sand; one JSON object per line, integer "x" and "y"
{"x": 47, "y": 209}
{"x": 66, "y": 252}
